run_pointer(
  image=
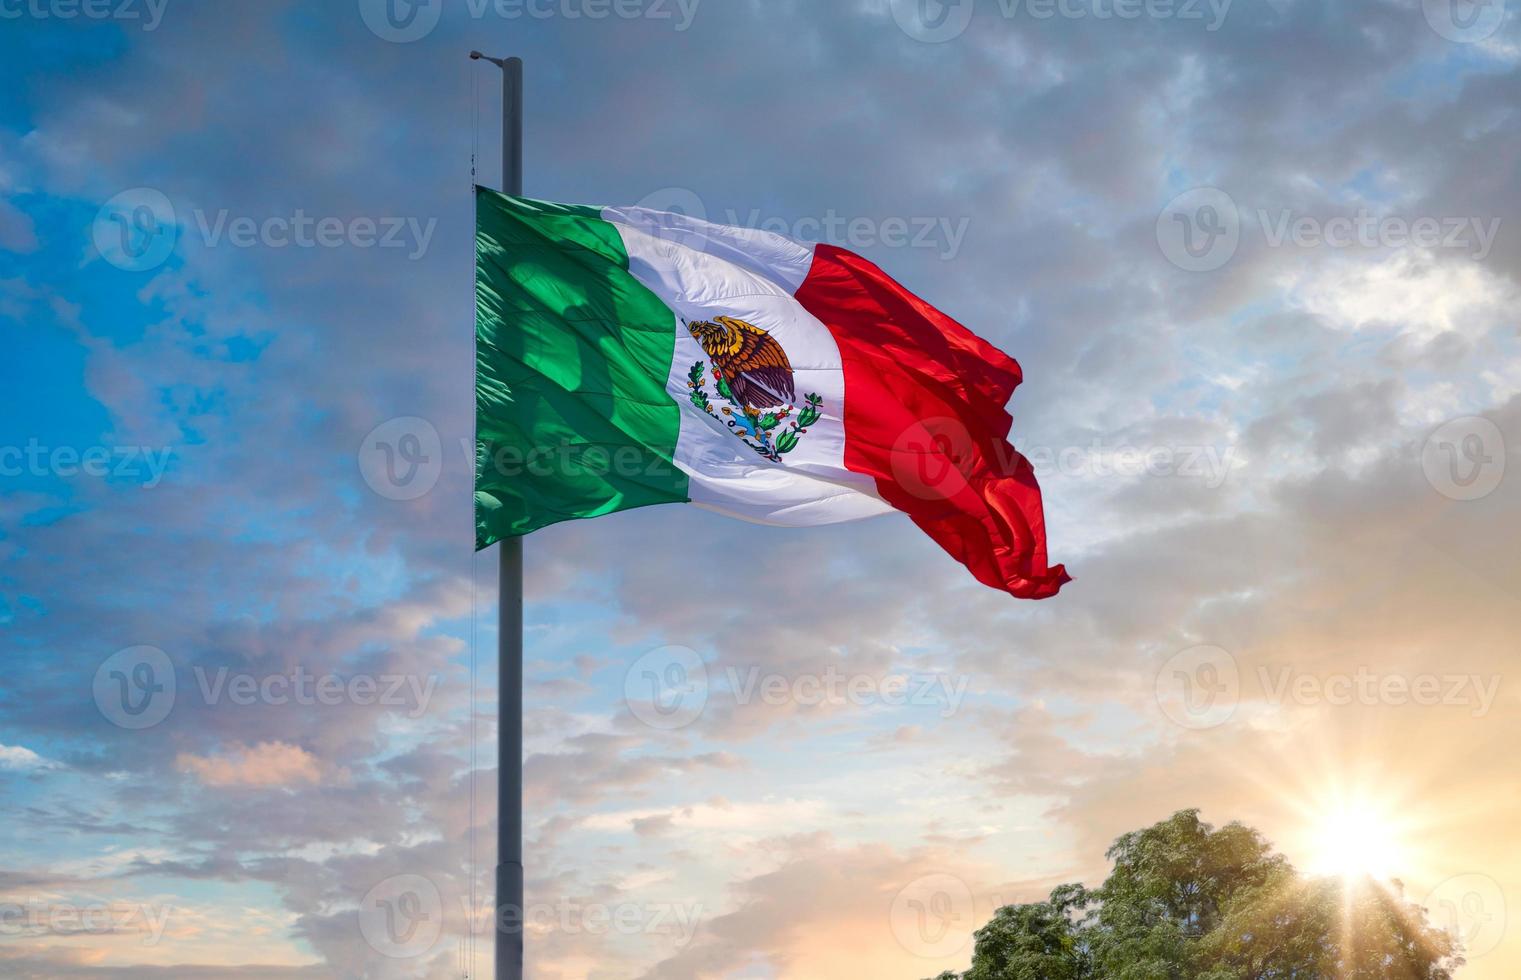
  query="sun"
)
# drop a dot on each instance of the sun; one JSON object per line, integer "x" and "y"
{"x": 1344, "y": 814}
{"x": 1356, "y": 839}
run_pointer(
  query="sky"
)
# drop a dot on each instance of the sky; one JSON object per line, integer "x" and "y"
{"x": 1259, "y": 261}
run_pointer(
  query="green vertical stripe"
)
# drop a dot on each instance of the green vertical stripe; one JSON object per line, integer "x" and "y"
{"x": 572, "y": 354}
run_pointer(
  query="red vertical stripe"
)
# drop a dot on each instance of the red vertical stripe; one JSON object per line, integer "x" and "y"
{"x": 925, "y": 417}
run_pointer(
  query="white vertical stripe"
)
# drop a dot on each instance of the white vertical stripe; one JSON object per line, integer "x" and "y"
{"x": 702, "y": 271}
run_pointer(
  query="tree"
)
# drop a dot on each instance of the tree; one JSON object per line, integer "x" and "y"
{"x": 1034, "y": 942}
{"x": 1168, "y": 887}
{"x": 1358, "y": 930}
{"x": 1186, "y": 901}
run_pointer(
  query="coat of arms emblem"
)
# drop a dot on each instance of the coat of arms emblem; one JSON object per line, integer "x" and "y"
{"x": 750, "y": 372}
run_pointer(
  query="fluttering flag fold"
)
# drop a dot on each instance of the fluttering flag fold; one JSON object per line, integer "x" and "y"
{"x": 628, "y": 357}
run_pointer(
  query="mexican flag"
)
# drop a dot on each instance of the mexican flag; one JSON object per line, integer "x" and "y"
{"x": 627, "y": 357}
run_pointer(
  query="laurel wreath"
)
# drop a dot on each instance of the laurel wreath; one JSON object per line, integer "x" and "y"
{"x": 767, "y": 445}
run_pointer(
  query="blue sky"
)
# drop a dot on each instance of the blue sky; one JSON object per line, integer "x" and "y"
{"x": 1304, "y": 404}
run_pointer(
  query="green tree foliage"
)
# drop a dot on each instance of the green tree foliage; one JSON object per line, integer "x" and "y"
{"x": 1041, "y": 941}
{"x": 1187, "y": 901}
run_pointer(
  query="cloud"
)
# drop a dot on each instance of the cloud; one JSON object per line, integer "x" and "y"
{"x": 264, "y": 765}
{"x": 19, "y": 758}
{"x": 824, "y": 908}
{"x": 1412, "y": 292}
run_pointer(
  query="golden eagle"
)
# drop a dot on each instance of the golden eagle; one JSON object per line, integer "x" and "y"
{"x": 749, "y": 359}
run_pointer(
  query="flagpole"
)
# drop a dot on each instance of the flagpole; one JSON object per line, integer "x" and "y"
{"x": 509, "y": 739}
